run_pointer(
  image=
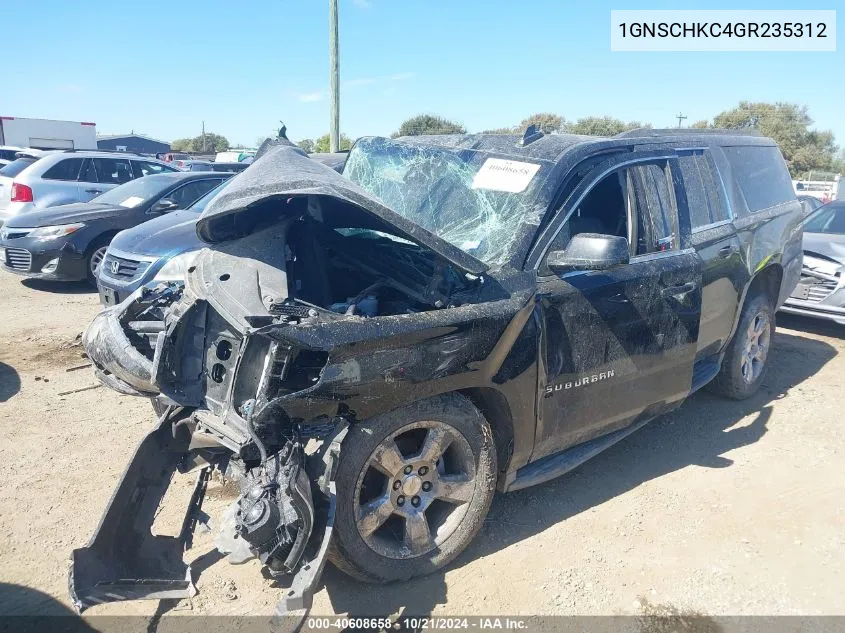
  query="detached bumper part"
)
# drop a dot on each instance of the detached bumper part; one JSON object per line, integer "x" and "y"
{"x": 123, "y": 560}
{"x": 300, "y": 594}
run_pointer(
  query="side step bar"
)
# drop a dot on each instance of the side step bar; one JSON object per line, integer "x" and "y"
{"x": 558, "y": 464}
{"x": 123, "y": 560}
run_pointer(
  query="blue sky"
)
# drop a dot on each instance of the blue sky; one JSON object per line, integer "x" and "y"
{"x": 161, "y": 68}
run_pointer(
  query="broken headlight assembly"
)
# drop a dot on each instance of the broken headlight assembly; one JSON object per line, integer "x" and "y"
{"x": 175, "y": 267}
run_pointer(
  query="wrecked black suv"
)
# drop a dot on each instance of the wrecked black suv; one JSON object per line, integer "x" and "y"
{"x": 371, "y": 355}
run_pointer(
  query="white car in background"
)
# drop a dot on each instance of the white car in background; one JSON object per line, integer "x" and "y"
{"x": 39, "y": 179}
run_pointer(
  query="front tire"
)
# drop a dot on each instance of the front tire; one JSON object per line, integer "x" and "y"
{"x": 413, "y": 488}
{"x": 745, "y": 364}
{"x": 94, "y": 259}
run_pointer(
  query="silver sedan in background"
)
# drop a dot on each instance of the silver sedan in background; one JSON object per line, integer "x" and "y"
{"x": 821, "y": 290}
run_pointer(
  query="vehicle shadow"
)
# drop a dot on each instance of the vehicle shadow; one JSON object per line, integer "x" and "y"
{"x": 820, "y": 327}
{"x": 59, "y": 287}
{"x": 23, "y": 609}
{"x": 10, "y": 382}
{"x": 699, "y": 433}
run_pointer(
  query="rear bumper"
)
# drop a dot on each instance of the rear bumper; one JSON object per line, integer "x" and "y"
{"x": 815, "y": 310}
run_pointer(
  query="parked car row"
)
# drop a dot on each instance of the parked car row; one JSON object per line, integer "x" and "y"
{"x": 42, "y": 179}
{"x": 51, "y": 232}
{"x": 68, "y": 242}
{"x": 163, "y": 248}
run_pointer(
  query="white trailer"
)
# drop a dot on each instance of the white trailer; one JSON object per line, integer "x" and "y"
{"x": 47, "y": 134}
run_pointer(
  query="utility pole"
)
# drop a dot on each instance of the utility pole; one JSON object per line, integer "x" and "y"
{"x": 203, "y": 137}
{"x": 334, "y": 70}
{"x": 681, "y": 117}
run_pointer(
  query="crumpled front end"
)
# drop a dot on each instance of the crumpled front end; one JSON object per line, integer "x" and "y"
{"x": 239, "y": 359}
{"x": 820, "y": 291}
{"x": 203, "y": 357}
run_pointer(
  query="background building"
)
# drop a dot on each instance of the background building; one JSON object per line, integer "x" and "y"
{"x": 132, "y": 143}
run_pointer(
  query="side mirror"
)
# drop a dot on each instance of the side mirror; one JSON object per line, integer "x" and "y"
{"x": 589, "y": 251}
{"x": 163, "y": 206}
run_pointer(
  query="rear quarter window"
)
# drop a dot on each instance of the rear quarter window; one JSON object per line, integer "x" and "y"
{"x": 67, "y": 169}
{"x": 15, "y": 167}
{"x": 762, "y": 176}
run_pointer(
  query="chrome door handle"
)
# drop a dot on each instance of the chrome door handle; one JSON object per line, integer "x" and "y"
{"x": 679, "y": 292}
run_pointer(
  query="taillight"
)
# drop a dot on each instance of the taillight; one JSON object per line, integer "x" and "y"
{"x": 21, "y": 193}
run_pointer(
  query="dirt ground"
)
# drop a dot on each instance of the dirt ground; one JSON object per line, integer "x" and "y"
{"x": 720, "y": 508}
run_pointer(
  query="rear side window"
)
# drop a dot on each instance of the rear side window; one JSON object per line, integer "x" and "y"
{"x": 143, "y": 168}
{"x": 112, "y": 171}
{"x": 762, "y": 176}
{"x": 15, "y": 167}
{"x": 67, "y": 169}
{"x": 703, "y": 190}
{"x": 230, "y": 168}
{"x": 830, "y": 220}
{"x": 187, "y": 194}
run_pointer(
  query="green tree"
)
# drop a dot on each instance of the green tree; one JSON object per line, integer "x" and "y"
{"x": 307, "y": 144}
{"x": 428, "y": 124}
{"x": 789, "y": 125}
{"x": 602, "y": 126}
{"x": 213, "y": 143}
{"x": 701, "y": 125}
{"x": 545, "y": 122}
{"x": 501, "y": 130}
{"x": 181, "y": 145}
{"x": 323, "y": 145}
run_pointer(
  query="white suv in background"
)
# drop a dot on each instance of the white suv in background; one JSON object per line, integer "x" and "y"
{"x": 45, "y": 179}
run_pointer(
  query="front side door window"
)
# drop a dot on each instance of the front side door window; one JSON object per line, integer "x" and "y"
{"x": 189, "y": 193}
{"x": 112, "y": 171}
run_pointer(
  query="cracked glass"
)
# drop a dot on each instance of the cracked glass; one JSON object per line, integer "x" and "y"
{"x": 438, "y": 189}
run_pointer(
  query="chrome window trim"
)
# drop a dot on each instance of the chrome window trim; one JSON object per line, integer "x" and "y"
{"x": 633, "y": 161}
{"x": 712, "y": 225}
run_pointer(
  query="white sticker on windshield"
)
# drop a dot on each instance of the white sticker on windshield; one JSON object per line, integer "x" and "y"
{"x": 132, "y": 201}
{"x": 499, "y": 174}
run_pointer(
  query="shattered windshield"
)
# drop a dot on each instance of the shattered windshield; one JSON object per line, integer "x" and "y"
{"x": 484, "y": 205}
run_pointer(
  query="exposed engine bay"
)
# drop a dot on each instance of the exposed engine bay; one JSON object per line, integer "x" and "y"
{"x": 230, "y": 358}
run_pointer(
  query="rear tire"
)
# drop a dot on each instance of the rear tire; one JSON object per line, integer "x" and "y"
{"x": 413, "y": 488}
{"x": 745, "y": 363}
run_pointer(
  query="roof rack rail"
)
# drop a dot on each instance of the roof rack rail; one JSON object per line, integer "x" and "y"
{"x": 105, "y": 151}
{"x": 645, "y": 132}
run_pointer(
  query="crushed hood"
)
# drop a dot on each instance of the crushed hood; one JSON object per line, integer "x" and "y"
{"x": 284, "y": 172}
